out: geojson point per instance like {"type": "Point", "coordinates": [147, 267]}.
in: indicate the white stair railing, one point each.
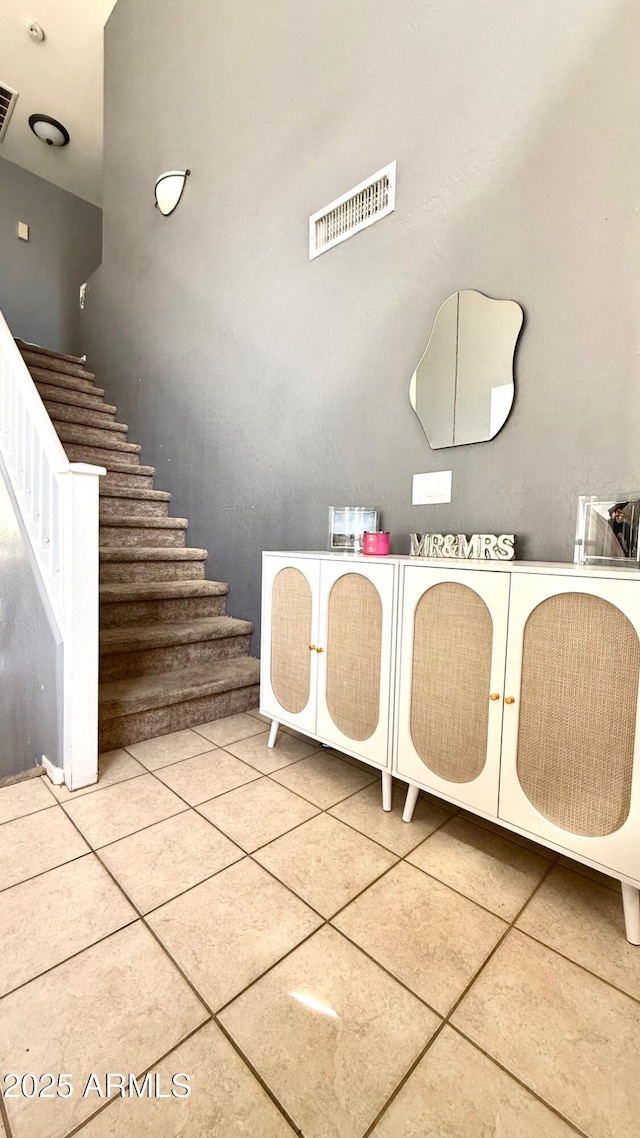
{"type": "Point", "coordinates": [57, 506]}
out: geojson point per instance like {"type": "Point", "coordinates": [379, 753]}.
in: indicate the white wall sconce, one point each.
{"type": "Point", "coordinates": [49, 130]}
{"type": "Point", "coordinates": [168, 190]}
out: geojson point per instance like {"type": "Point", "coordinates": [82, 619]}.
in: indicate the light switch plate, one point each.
{"type": "Point", "coordinates": [23, 231]}
{"type": "Point", "coordinates": [429, 489]}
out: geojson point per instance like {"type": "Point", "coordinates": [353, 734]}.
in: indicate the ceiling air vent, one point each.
{"type": "Point", "coordinates": [8, 99]}
{"type": "Point", "coordinates": [361, 206]}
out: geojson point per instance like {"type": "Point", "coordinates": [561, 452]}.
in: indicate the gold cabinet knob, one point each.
{"type": "Point", "coordinates": [319, 649]}
{"type": "Point", "coordinates": [510, 699]}
{"type": "Point", "coordinates": [494, 695]}
{"type": "Point", "coordinates": [312, 647]}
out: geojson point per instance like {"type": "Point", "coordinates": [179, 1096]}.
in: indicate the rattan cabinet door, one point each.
{"type": "Point", "coordinates": [450, 682]}
{"type": "Point", "coordinates": [570, 743]}
{"type": "Point", "coordinates": [288, 658]}
{"type": "Point", "coordinates": [355, 666]}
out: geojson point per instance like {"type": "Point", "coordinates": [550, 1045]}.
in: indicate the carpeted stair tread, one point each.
{"type": "Point", "coordinates": [136, 637]}
{"type": "Point", "coordinates": [64, 382]}
{"type": "Point", "coordinates": [150, 553]}
{"type": "Point", "coordinates": [56, 397]}
{"type": "Point", "coordinates": [137, 521]}
{"type": "Point", "coordinates": [101, 455]}
{"type": "Point", "coordinates": [134, 591]}
{"type": "Point", "coordinates": [119, 506]}
{"type": "Point", "coordinates": [144, 693]}
{"type": "Point", "coordinates": [127, 468]}
{"type": "Point", "coordinates": [56, 365]}
{"type": "Point", "coordinates": [24, 346]}
{"type": "Point", "coordinates": [80, 435]}
{"type": "Point", "coordinates": [109, 491]}
{"type": "Point", "coordinates": [85, 417]}
{"type": "Point", "coordinates": [170, 656]}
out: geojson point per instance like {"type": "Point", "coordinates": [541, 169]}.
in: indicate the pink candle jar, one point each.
{"type": "Point", "coordinates": [375, 543]}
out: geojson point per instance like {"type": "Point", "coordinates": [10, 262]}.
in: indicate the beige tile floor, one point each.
{"type": "Point", "coordinates": [252, 919]}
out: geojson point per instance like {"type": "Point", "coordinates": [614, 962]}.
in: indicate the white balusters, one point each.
{"type": "Point", "coordinates": [57, 503]}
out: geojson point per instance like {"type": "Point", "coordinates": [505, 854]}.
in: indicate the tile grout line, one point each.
{"type": "Point", "coordinates": [29, 813]}
{"type": "Point", "coordinates": [446, 1019]}
{"type": "Point", "coordinates": [516, 1078]}
{"type": "Point", "coordinates": [23, 881]}
{"type": "Point", "coordinates": [189, 888]}
{"type": "Point", "coordinates": [255, 849]}
{"type": "Point", "coordinates": [252, 782]}
{"type": "Point", "coordinates": [114, 1098]}
{"type": "Point", "coordinates": [259, 1078]}
{"type": "Point", "coordinates": [196, 808]}
{"type": "Point", "coordinates": [84, 791]}
{"type": "Point", "coordinates": [141, 917]}
{"type": "Point", "coordinates": [325, 809]}
{"type": "Point", "coordinates": [174, 762]}
{"type": "Point", "coordinates": [553, 861]}
{"type": "Point", "coordinates": [324, 922]}
{"type": "Point", "coordinates": [249, 854]}
{"type": "Point", "coordinates": [327, 921]}
{"type": "Point", "coordinates": [4, 1118]}
{"type": "Point", "coordinates": [251, 858]}
{"type": "Point", "coordinates": [518, 840]}
{"type": "Point", "coordinates": [72, 956]}
{"type": "Point", "coordinates": [187, 808]}
{"type": "Point", "coordinates": [366, 888]}
{"type": "Point", "coordinates": [244, 853]}
{"type": "Point", "coordinates": [405, 1078]}
{"type": "Point", "coordinates": [454, 889]}
{"type": "Point", "coordinates": [237, 995]}
{"type": "Point", "coordinates": [576, 963]}
{"type": "Point", "coordinates": [94, 849]}
{"type": "Point", "coordinates": [214, 1015]}
{"type": "Point", "coordinates": [509, 923]}
{"type": "Point", "coordinates": [320, 810]}
{"type": "Point", "coordinates": [510, 926]}
{"type": "Point", "coordinates": [229, 742]}
{"type": "Point", "coordinates": [211, 1014]}
{"type": "Point", "coordinates": [456, 811]}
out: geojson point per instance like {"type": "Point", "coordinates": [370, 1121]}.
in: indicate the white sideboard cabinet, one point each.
{"type": "Point", "coordinates": [451, 654]}
{"type": "Point", "coordinates": [508, 689]}
{"type": "Point", "coordinates": [328, 650]}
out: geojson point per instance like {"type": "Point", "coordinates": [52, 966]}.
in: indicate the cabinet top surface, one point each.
{"type": "Point", "coordinates": [563, 568]}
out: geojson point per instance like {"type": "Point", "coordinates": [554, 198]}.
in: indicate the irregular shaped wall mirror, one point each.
{"type": "Point", "coordinates": [462, 389]}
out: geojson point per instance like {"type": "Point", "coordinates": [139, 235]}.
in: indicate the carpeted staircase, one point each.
{"type": "Point", "coordinates": [170, 657]}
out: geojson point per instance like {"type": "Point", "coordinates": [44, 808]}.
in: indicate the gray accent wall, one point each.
{"type": "Point", "coordinates": [265, 387]}
{"type": "Point", "coordinates": [30, 658]}
{"type": "Point", "coordinates": [40, 278]}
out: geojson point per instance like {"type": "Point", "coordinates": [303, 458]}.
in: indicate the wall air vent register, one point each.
{"type": "Point", "coordinates": [8, 99]}
{"type": "Point", "coordinates": [359, 207]}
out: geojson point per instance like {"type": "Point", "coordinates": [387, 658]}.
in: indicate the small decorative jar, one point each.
{"type": "Point", "coordinates": [375, 543]}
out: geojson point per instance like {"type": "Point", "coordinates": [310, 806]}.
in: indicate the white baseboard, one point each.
{"type": "Point", "coordinates": [56, 774]}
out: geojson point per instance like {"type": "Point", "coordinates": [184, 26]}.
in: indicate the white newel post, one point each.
{"type": "Point", "coordinates": [80, 566]}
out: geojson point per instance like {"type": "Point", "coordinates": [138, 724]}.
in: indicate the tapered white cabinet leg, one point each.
{"type": "Point", "coordinates": [631, 904]}
{"type": "Point", "coordinates": [273, 734]}
{"type": "Point", "coordinates": [410, 802]}
{"type": "Point", "coordinates": [387, 790]}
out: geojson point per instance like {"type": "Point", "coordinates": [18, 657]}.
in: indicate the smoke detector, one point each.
{"type": "Point", "coordinates": [35, 31]}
